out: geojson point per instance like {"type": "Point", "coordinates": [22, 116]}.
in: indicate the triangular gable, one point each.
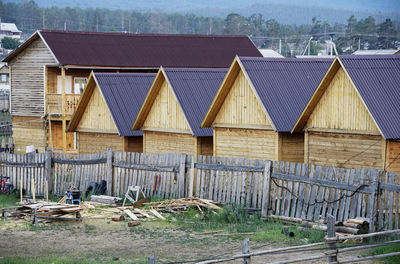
{"type": "Point", "coordinates": [230, 107]}
{"type": "Point", "coordinates": [337, 105]}
{"type": "Point", "coordinates": [161, 110]}
{"type": "Point", "coordinates": [92, 113]}
{"type": "Point", "coordinates": [35, 36]}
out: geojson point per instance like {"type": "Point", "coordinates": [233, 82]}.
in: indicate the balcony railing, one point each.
{"type": "Point", "coordinates": [54, 102]}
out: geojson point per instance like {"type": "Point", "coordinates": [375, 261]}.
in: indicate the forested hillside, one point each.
{"type": "Point", "coordinates": [264, 31]}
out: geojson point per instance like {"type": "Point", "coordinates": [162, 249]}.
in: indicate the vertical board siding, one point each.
{"type": "Point", "coordinates": [341, 107]}
{"type": "Point", "coordinates": [236, 181]}
{"type": "Point", "coordinates": [241, 106]}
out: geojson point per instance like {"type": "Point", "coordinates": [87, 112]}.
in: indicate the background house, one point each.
{"type": "Point", "coordinates": [258, 104]}
{"type": "Point", "coordinates": [50, 70]}
{"type": "Point", "coordinates": [353, 118]}
{"type": "Point", "coordinates": [107, 110]}
{"type": "Point", "coordinates": [173, 109]}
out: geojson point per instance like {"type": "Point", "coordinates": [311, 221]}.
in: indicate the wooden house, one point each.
{"type": "Point", "coordinates": [258, 104]}
{"type": "Point", "coordinates": [171, 114]}
{"type": "Point", "coordinates": [353, 118]}
{"type": "Point", "coordinates": [106, 111]}
{"type": "Point", "coordinates": [50, 69]}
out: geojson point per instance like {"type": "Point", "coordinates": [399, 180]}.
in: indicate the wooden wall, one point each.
{"type": "Point", "coordinates": [341, 108]}
{"type": "Point", "coordinates": [205, 146]}
{"type": "Point", "coordinates": [241, 107]}
{"type": "Point", "coordinates": [291, 147]}
{"type": "Point", "coordinates": [97, 117]}
{"type": "Point", "coordinates": [52, 73]}
{"type": "Point", "coordinates": [133, 144]}
{"type": "Point", "coordinates": [27, 79]}
{"type": "Point", "coordinates": [344, 150]}
{"type": "Point", "coordinates": [99, 142]}
{"type": "Point", "coordinates": [163, 142]}
{"type": "Point", "coordinates": [56, 136]}
{"type": "Point", "coordinates": [393, 156]}
{"type": "Point", "coordinates": [28, 130]}
{"type": "Point", "coordinates": [245, 143]}
{"type": "Point", "coordinates": [166, 113]}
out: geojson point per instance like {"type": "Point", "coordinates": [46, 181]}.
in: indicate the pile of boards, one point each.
{"type": "Point", "coordinates": [43, 210]}
{"type": "Point", "coordinates": [178, 205]}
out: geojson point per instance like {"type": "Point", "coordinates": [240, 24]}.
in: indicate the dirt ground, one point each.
{"type": "Point", "coordinates": [105, 241]}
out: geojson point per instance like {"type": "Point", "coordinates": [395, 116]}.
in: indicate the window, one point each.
{"type": "Point", "coordinates": [79, 85]}
{"type": "Point", "coordinates": [68, 84]}
{"type": "Point", "coordinates": [4, 78]}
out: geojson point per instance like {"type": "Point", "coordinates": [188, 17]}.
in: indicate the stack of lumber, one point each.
{"type": "Point", "coordinates": [177, 205]}
{"type": "Point", "coordinates": [49, 210]}
{"type": "Point", "coordinates": [104, 199]}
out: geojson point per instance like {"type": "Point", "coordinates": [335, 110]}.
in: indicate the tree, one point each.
{"type": "Point", "coordinates": [10, 43]}
{"type": "Point", "coordinates": [236, 24]}
{"type": "Point", "coordinates": [386, 35]}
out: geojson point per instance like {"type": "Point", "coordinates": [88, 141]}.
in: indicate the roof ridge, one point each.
{"type": "Point", "coordinates": [140, 34]}
{"type": "Point", "coordinates": [244, 58]}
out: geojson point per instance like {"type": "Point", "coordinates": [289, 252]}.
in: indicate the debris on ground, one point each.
{"type": "Point", "coordinates": [43, 211]}
{"type": "Point", "coordinates": [178, 205]}
{"type": "Point", "coordinates": [105, 199]}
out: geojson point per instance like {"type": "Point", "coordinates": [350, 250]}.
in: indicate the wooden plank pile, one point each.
{"type": "Point", "coordinates": [105, 199]}
{"type": "Point", "coordinates": [178, 205]}
{"type": "Point", "coordinates": [43, 210]}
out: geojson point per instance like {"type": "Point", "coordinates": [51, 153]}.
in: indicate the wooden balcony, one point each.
{"type": "Point", "coordinates": [54, 103]}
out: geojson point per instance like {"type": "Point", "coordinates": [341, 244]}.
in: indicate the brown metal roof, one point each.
{"type": "Point", "coordinates": [145, 50]}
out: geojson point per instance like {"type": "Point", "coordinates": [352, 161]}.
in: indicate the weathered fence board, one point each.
{"type": "Point", "coordinates": [281, 188]}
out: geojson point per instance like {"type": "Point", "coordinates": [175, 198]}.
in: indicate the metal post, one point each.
{"type": "Point", "coordinates": [152, 259]}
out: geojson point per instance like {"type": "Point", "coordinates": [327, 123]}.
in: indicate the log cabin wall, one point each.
{"type": "Point", "coordinates": [27, 79]}
{"type": "Point", "coordinates": [244, 143]}
{"type": "Point", "coordinates": [343, 133]}
{"type": "Point", "coordinates": [393, 155]}
{"type": "Point", "coordinates": [99, 142]}
{"type": "Point", "coordinates": [164, 142]}
{"type": "Point", "coordinates": [133, 144]}
{"type": "Point", "coordinates": [28, 130]}
{"type": "Point", "coordinates": [292, 147]}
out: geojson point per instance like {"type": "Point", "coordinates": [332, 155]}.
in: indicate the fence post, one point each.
{"type": "Point", "coordinates": [181, 176]}
{"type": "Point", "coordinates": [152, 259]}
{"type": "Point", "coordinates": [331, 233]}
{"type": "Point", "coordinates": [191, 177]}
{"type": "Point", "coordinates": [109, 172]}
{"type": "Point", "coordinates": [47, 170]}
{"type": "Point", "coordinates": [373, 199]}
{"type": "Point", "coordinates": [266, 189]}
{"type": "Point", "coordinates": [246, 250]}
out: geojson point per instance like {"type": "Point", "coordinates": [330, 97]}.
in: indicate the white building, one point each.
{"type": "Point", "coordinates": [9, 30]}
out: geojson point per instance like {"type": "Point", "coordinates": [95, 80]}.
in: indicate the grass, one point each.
{"type": "Point", "coordinates": [385, 250]}
{"type": "Point", "coordinates": [239, 224]}
{"type": "Point", "coordinates": [8, 200]}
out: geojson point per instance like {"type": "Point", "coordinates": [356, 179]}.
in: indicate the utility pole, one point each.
{"type": "Point", "coordinates": [359, 43]}
{"type": "Point", "coordinates": [65, 26]}
{"type": "Point", "coordinates": [280, 46]}
{"type": "Point", "coordinates": [43, 21]}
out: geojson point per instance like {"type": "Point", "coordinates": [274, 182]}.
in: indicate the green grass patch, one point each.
{"type": "Point", "coordinates": [69, 260]}
{"type": "Point", "coordinates": [385, 250]}
{"type": "Point", "coordinates": [8, 200]}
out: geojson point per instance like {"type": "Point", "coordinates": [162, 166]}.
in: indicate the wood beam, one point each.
{"type": "Point", "coordinates": [64, 121]}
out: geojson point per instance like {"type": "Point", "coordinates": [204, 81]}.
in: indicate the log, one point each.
{"type": "Point", "coordinates": [133, 223]}
{"type": "Point", "coordinates": [285, 218]}
{"type": "Point", "coordinates": [348, 230]}
{"type": "Point", "coordinates": [104, 199]}
{"type": "Point", "coordinates": [117, 218]}
{"type": "Point", "coordinates": [314, 225]}
{"type": "Point", "coordinates": [352, 225]}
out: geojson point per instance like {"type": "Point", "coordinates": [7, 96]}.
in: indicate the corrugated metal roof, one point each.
{"type": "Point", "coordinates": [377, 79]}
{"type": "Point", "coordinates": [9, 27]}
{"type": "Point", "coordinates": [285, 85]}
{"type": "Point", "coordinates": [195, 89]}
{"type": "Point", "coordinates": [146, 50]}
{"type": "Point", "coordinates": [124, 94]}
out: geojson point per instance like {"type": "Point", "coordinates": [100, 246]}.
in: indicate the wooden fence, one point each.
{"type": "Point", "coordinates": [279, 188]}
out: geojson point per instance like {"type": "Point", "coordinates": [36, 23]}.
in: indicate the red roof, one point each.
{"type": "Point", "coordinates": [146, 50]}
